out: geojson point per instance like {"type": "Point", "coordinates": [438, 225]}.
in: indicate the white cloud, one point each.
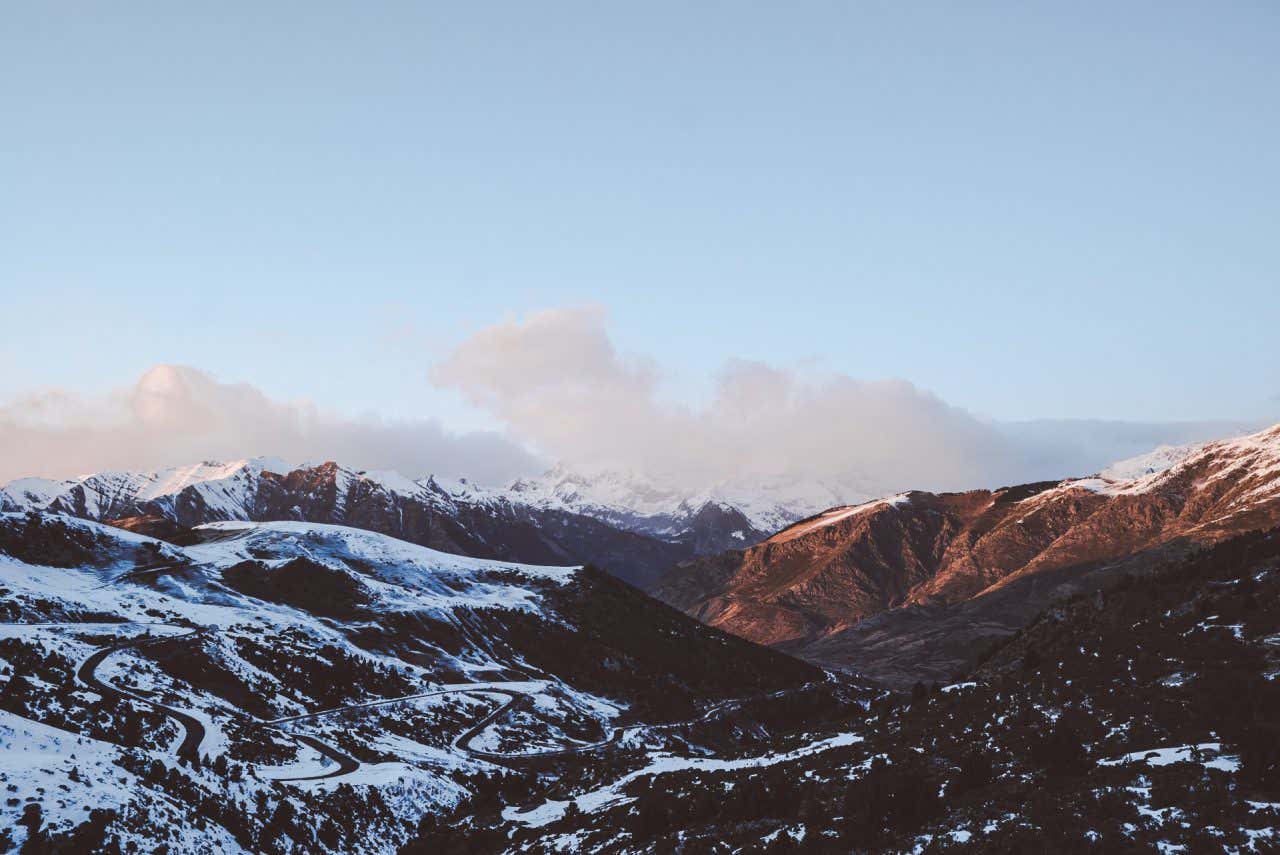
{"type": "Point", "coordinates": [177, 414]}
{"type": "Point", "coordinates": [557, 381]}
{"type": "Point", "coordinates": [564, 392]}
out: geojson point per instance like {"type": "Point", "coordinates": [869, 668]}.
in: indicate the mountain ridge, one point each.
{"type": "Point", "coordinates": [525, 523]}
{"type": "Point", "coordinates": [897, 588]}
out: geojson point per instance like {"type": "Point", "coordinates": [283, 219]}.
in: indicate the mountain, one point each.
{"type": "Point", "coordinates": [918, 585]}
{"type": "Point", "coordinates": [621, 522]}
{"type": "Point", "coordinates": [294, 686]}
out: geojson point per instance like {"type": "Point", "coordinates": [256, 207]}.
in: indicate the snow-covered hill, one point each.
{"type": "Point", "coordinates": [183, 685]}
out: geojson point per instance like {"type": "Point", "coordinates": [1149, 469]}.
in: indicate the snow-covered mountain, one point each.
{"type": "Point", "coordinates": [220, 490]}
{"type": "Point", "coordinates": [633, 500]}
{"type": "Point", "coordinates": [633, 526]}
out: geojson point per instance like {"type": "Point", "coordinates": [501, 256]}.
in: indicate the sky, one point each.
{"type": "Point", "coordinates": [1012, 211]}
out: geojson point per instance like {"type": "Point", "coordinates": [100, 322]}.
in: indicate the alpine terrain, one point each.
{"type": "Point", "coordinates": [226, 658]}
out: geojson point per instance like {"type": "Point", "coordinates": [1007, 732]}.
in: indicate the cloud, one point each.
{"type": "Point", "coordinates": [177, 415]}
{"type": "Point", "coordinates": [556, 379]}
{"type": "Point", "coordinates": [565, 392]}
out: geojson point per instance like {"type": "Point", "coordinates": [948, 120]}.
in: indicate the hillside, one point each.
{"type": "Point", "coordinates": [380, 680]}
{"type": "Point", "coordinates": [1136, 719]}
{"type": "Point", "coordinates": [917, 585]}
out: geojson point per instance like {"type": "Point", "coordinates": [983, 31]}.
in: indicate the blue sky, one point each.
{"type": "Point", "coordinates": [1031, 211]}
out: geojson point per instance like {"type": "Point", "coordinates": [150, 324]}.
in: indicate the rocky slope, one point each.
{"type": "Point", "coordinates": [919, 584]}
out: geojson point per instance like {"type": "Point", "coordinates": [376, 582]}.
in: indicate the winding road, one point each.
{"type": "Point", "coordinates": [346, 763]}
{"type": "Point", "coordinates": [195, 731]}
{"type": "Point", "coordinates": [463, 742]}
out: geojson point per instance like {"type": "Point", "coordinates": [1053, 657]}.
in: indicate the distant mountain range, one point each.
{"type": "Point", "coordinates": [911, 586]}
{"type": "Point", "coordinates": [629, 524]}
{"type": "Point", "coordinates": [920, 584]}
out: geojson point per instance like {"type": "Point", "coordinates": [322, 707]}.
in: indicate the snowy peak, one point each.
{"type": "Point", "coordinates": [1247, 468]}
{"type": "Point", "coordinates": [223, 488]}
{"type": "Point", "coordinates": [31, 493]}
{"type": "Point", "coordinates": [598, 488]}
{"type": "Point", "coordinates": [1151, 463]}
{"type": "Point", "coordinates": [209, 474]}
{"type": "Point", "coordinates": [622, 495]}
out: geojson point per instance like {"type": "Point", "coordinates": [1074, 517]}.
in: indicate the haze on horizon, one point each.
{"type": "Point", "coordinates": [973, 246]}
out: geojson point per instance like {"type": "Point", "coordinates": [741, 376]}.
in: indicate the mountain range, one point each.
{"type": "Point", "coordinates": [909, 587]}
{"type": "Point", "coordinates": [255, 657]}
{"type": "Point", "coordinates": [614, 519]}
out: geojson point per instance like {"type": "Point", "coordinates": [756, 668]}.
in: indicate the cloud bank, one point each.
{"type": "Point", "coordinates": [177, 415]}
{"type": "Point", "coordinates": [563, 391]}
{"type": "Point", "coordinates": [557, 381]}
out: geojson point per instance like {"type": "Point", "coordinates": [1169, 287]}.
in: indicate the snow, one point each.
{"type": "Point", "coordinates": [1257, 455]}
{"type": "Point", "coordinates": [661, 764]}
{"type": "Point", "coordinates": [402, 561]}
{"type": "Point", "coordinates": [36, 757]}
{"type": "Point", "coordinates": [955, 687]}
{"type": "Point", "coordinates": [218, 479]}
{"type": "Point", "coordinates": [35, 492]}
{"type": "Point", "coordinates": [1153, 462]}
{"type": "Point", "coordinates": [395, 573]}
{"type": "Point", "coordinates": [1178, 754]}
{"type": "Point", "coordinates": [399, 575]}
{"type": "Point", "coordinates": [226, 488]}
{"type": "Point", "coordinates": [661, 505]}
{"type": "Point", "coordinates": [308, 762]}
{"type": "Point", "coordinates": [654, 505]}
{"type": "Point", "coordinates": [394, 482]}
{"type": "Point", "coordinates": [835, 515]}
{"type": "Point", "coordinates": [214, 742]}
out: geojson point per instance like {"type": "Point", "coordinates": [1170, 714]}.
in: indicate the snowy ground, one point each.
{"type": "Point", "coordinates": [660, 764]}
